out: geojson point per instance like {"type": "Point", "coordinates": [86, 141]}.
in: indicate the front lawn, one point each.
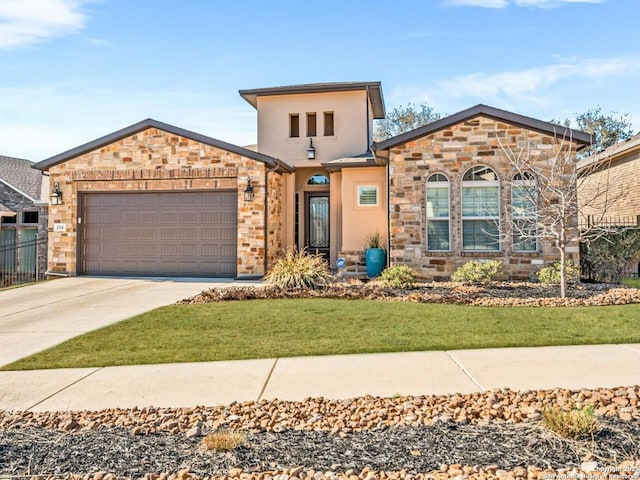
{"type": "Point", "coordinates": [296, 327]}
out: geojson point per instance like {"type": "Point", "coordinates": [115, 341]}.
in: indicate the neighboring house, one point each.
{"type": "Point", "coordinates": [23, 213]}
{"type": "Point", "coordinates": [608, 191]}
{"type": "Point", "coordinates": [154, 199]}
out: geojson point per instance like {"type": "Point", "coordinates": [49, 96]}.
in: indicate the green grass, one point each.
{"type": "Point", "coordinates": [285, 328]}
{"type": "Point", "coordinates": [631, 282]}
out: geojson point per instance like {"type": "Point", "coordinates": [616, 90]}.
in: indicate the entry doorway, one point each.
{"type": "Point", "coordinates": [317, 223]}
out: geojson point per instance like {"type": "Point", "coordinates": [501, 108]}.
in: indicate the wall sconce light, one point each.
{"type": "Point", "coordinates": [56, 195]}
{"type": "Point", "coordinates": [248, 192]}
{"type": "Point", "coordinates": [311, 151]}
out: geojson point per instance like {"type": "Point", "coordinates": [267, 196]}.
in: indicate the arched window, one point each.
{"type": "Point", "coordinates": [480, 210]}
{"type": "Point", "coordinates": [524, 211]}
{"type": "Point", "coordinates": [438, 213]}
{"type": "Point", "coordinates": [318, 179]}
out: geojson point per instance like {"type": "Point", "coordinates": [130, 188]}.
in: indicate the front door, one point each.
{"type": "Point", "coordinates": [317, 223]}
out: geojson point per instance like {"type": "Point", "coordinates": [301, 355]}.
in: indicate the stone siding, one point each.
{"type": "Point", "coordinates": [155, 160]}
{"type": "Point", "coordinates": [452, 151]}
{"type": "Point", "coordinates": [275, 222]}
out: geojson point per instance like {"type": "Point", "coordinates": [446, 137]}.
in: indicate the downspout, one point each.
{"type": "Point", "coordinates": [267, 171]}
{"type": "Point", "coordinates": [368, 128]}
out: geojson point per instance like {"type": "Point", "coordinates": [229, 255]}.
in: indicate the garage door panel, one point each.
{"type": "Point", "coordinates": [191, 234]}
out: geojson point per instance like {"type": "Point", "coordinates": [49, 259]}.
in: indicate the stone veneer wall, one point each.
{"type": "Point", "coordinates": [154, 160]}
{"type": "Point", "coordinates": [452, 151]}
{"type": "Point", "coordinates": [618, 178]}
{"type": "Point", "coordinates": [275, 220]}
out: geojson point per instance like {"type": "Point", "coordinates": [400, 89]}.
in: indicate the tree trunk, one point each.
{"type": "Point", "coordinates": [563, 272]}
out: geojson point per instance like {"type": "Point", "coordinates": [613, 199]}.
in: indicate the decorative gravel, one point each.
{"type": "Point", "coordinates": [37, 451]}
{"type": "Point", "coordinates": [492, 294]}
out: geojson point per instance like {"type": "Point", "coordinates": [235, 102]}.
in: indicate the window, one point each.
{"type": "Point", "coordinates": [318, 180]}
{"type": "Point", "coordinates": [438, 213]}
{"type": "Point", "coordinates": [8, 220]}
{"type": "Point", "coordinates": [328, 124]}
{"type": "Point", "coordinates": [480, 210]}
{"type": "Point", "coordinates": [524, 209]}
{"type": "Point", "coordinates": [29, 217]}
{"type": "Point", "coordinates": [367, 195]}
{"type": "Point", "coordinates": [294, 125]}
{"type": "Point", "coordinates": [311, 124]}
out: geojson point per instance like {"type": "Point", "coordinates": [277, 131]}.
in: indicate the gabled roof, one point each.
{"type": "Point", "coordinates": [151, 123]}
{"type": "Point", "coordinates": [366, 159]}
{"type": "Point", "coordinates": [18, 174]}
{"type": "Point", "coordinates": [616, 150]}
{"type": "Point", "coordinates": [491, 112]}
{"type": "Point", "coordinates": [374, 89]}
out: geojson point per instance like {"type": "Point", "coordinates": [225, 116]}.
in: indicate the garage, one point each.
{"type": "Point", "coordinates": [159, 233]}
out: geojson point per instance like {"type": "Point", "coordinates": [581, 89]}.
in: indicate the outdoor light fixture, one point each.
{"type": "Point", "coordinates": [311, 151]}
{"type": "Point", "coordinates": [56, 195]}
{"type": "Point", "coordinates": [248, 192]}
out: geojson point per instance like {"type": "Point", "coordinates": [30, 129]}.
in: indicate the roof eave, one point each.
{"type": "Point", "coordinates": [491, 112]}
{"type": "Point", "coordinates": [151, 123]}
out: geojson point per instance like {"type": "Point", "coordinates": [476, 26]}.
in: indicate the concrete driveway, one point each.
{"type": "Point", "coordinates": [36, 317]}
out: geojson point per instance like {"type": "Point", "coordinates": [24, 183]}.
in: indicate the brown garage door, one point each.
{"type": "Point", "coordinates": [174, 234]}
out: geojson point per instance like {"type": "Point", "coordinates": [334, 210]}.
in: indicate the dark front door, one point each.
{"type": "Point", "coordinates": [317, 223]}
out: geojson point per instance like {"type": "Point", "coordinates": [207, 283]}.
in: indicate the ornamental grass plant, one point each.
{"type": "Point", "coordinates": [299, 269]}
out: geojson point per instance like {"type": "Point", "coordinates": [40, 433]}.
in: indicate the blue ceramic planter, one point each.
{"type": "Point", "coordinates": [375, 259]}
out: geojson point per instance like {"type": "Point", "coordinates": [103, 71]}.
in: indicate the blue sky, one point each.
{"type": "Point", "coordinates": [74, 70]}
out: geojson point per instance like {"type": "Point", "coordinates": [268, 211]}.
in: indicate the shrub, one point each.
{"type": "Point", "coordinates": [608, 256]}
{"type": "Point", "coordinates": [477, 272]}
{"type": "Point", "coordinates": [299, 269]}
{"type": "Point", "coordinates": [398, 276]}
{"type": "Point", "coordinates": [551, 275]}
{"type": "Point", "coordinates": [570, 424]}
{"type": "Point", "coordinates": [223, 441]}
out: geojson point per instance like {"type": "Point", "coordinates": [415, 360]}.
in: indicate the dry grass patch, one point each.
{"type": "Point", "coordinates": [223, 441]}
{"type": "Point", "coordinates": [572, 424]}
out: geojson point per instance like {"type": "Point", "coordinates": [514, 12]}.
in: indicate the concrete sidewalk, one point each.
{"type": "Point", "coordinates": [340, 376]}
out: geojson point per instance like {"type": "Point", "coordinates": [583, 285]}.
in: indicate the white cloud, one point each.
{"type": "Point", "coordinates": [519, 3]}
{"type": "Point", "coordinates": [527, 84]}
{"type": "Point", "coordinates": [25, 22]}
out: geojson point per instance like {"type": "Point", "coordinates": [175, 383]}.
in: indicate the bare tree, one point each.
{"type": "Point", "coordinates": [544, 205]}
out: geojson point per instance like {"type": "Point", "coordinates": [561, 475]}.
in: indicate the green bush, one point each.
{"type": "Point", "coordinates": [551, 275]}
{"type": "Point", "coordinates": [398, 276]}
{"type": "Point", "coordinates": [608, 256]}
{"type": "Point", "coordinates": [299, 269]}
{"type": "Point", "coordinates": [475, 271]}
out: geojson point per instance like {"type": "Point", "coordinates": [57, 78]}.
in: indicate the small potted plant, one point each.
{"type": "Point", "coordinates": [374, 255]}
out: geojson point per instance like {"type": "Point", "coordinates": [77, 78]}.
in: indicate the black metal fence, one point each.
{"type": "Point", "coordinates": [20, 261]}
{"type": "Point", "coordinates": [596, 225]}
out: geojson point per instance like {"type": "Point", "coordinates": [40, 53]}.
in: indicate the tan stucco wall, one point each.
{"type": "Point", "coordinates": [154, 160]}
{"type": "Point", "coordinates": [610, 191]}
{"type": "Point", "coordinates": [452, 151]}
{"type": "Point", "coordinates": [358, 222]}
{"type": "Point", "coordinates": [350, 126]}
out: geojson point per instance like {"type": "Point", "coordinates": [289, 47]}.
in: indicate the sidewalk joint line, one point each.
{"type": "Point", "coordinates": [266, 382]}
{"type": "Point", "coordinates": [629, 348]}
{"type": "Point", "coordinates": [466, 372]}
{"type": "Point", "coordinates": [64, 388]}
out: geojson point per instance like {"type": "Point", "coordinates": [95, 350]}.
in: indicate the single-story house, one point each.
{"type": "Point", "coordinates": [155, 199]}
{"type": "Point", "coordinates": [23, 214]}
{"type": "Point", "coordinates": [608, 191]}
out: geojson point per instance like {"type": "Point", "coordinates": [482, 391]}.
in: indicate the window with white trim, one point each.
{"type": "Point", "coordinates": [438, 213]}
{"type": "Point", "coordinates": [524, 211]}
{"type": "Point", "coordinates": [367, 195]}
{"type": "Point", "coordinates": [480, 210]}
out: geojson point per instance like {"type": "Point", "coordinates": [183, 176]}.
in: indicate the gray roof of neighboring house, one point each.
{"type": "Point", "coordinates": [374, 89]}
{"type": "Point", "coordinates": [491, 112]}
{"type": "Point", "coordinates": [19, 175]}
{"type": "Point", "coordinates": [151, 123]}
